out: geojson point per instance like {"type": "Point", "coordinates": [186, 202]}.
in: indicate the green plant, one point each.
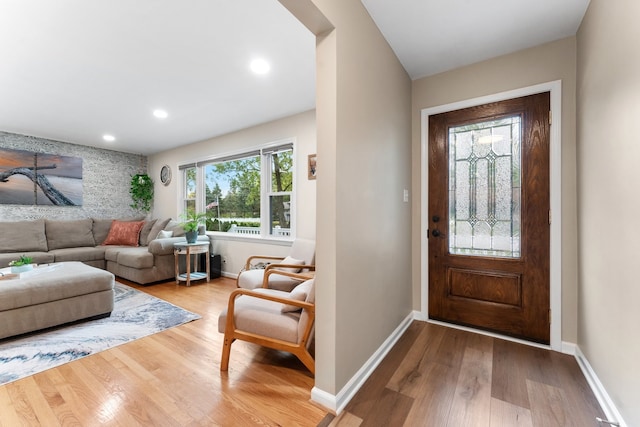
{"type": "Point", "coordinates": [23, 260]}
{"type": "Point", "coordinates": [141, 191]}
{"type": "Point", "coordinates": [192, 219]}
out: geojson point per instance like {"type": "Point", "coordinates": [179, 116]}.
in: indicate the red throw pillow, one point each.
{"type": "Point", "coordinates": [124, 233]}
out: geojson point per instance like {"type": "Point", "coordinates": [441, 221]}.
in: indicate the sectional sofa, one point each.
{"type": "Point", "coordinates": [129, 249]}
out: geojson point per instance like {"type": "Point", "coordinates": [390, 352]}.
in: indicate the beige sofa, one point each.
{"type": "Point", "coordinates": [48, 241]}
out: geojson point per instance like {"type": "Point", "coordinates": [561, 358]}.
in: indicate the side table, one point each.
{"type": "Point", "coordinates": [188, 249]}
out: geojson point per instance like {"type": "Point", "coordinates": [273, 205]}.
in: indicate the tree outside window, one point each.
{"type": "Point", "coordinates": [249, 194]}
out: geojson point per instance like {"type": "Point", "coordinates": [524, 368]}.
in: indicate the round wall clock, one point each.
{"type": "Point", "coordinates": [165, 175]}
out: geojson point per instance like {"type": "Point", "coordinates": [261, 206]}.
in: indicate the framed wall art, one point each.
{"type": "Point", "coordinates": [312, 167]}
{"type": "Point", "coordinates": [30, 178]}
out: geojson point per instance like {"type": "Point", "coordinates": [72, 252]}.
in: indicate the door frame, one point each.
{"type": "Point", "coordinates": [555, 153]}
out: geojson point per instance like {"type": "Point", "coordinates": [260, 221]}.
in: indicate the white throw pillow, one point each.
{"type": "Point", "coordinates": [164, 234]}
{"type": "Point", "coordinates": [299, 293]}
{"type": "Point", "coordinates": [290, 260]}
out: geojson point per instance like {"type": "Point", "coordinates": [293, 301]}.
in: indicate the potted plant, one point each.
{"type": "Point", "coordinates": [141, 191]}
{"type": "Point", "coordinates": [190, 223]}
{"type": "Point", "coordinates": [22, 264]}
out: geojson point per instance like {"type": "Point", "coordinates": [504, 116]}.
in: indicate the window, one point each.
{"type": "Point", "coordinates": [189, 174]}
{"type": "Point", "coordinates": [247, 194]}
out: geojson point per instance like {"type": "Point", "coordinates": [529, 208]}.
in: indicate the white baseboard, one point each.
{"type": "Point", "coordinates": [609, 408]}
{"type": "Point", "coordinates": [568, 348]}
{"type": "Point", "coordinates": [336, 403]}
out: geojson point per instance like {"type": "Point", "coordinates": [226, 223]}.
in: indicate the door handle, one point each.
{"type": "Point", "coordinates": [435, 233]}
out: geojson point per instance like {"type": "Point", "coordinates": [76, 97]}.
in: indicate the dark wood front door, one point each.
{"type": "Point", "coordinates": [489, 217]}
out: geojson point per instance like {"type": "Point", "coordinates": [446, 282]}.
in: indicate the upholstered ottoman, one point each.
{"type": "Point", "coordinates": [53, 295]}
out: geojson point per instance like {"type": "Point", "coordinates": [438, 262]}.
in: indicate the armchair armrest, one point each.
{"type": "Point", "coordinates": [247, 264]}
{"type": "Point", "coordinates": [276, 269]}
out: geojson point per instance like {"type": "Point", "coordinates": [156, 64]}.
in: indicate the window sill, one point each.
{"type": "Point", "coordinates": [243, 238]}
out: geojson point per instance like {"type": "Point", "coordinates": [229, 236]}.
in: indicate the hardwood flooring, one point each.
{"type": "Point", "coordinates": [438, 376]}
{"type": "Point", "coordinates": [434, 376]}
{"type": "Point", "coordinates": [171, 378]}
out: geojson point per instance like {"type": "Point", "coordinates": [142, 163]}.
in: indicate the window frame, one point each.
{"type": "Point", "coordinates": [264, 151]}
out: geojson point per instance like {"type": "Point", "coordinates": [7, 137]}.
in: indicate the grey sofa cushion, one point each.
{"type": "Point", "coordinates": [136, 257]}
{"type": "Point", "coordinates": [144, 233]}
{"type": "Point", "coordinates": [69, 234]}
{"type": "Point", "coordinates": [175, 226]}
{"type": "Point", "coordinates": [83, 254]}
{"type": "Point", "coordinates": [101, 229]}
{"type": "Point", "coordinates": [23, 236]}
{"type": "Point", "coordinates": [159, 225]}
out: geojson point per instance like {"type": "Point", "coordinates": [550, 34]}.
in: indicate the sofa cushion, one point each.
{"type": "Point", "coordinates": [164, 234]}
{"type": "Point", "coordinates": [69, 234]}
{"type": "Point", "coordinates": [145, 232]}
{"type": "Point", "coordinates": [157, 226]}
{"type": "Point", "coordinates": [125, 233]}
{"type": "Point", "coordinates": [101, 228]}
{"type": "Point", "coordinates": [82, 254]}
{"type": "Point", "coordinates": [23, 236]}
{"type": "Point", "coordinates": [138, 257]}
{"type": "Point", "coordinates": [175, 226]}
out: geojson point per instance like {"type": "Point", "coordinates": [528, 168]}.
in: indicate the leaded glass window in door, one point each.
{"type": "Point", "coordinates": [485, 188]}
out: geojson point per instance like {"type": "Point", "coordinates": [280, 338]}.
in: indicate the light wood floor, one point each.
{"type": "Point", "coordinates": [438, 376]}
{"type": "Point", "coordinates": [434, 376]}
{"type": "Point", "coordinates": [169, 379]}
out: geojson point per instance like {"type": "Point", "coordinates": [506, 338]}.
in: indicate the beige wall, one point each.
{"type": "Point", "coordinates": [302, 127]}
{"type": "Point", "coordinates": [546, 63]}
{"type": "Point", "coordinates": [364, 151]}
{"type": "Point", "coordinates": [609, 198]}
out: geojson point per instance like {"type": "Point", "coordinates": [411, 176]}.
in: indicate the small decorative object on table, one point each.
{"type": "Point", "coordinates": [22, 264]}
{"type": "Point", "coordinates": [190, 223]}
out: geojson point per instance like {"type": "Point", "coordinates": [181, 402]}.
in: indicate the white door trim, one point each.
{"type": "Point", "coordinates": [555, 88]}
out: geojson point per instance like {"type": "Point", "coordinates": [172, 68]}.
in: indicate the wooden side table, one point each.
{"type": "Point", "coordinates": [189, 249]}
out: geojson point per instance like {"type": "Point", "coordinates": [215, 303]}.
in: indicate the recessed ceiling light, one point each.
{"type": "Point", "coordinates": [160, 114]}
{"type": "Point", "coordinates": [109, 138]}
{"type": "Point", "coordinates": [260, 66]}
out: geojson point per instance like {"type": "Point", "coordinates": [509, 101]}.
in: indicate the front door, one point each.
{"type": "Point", "coordinates": [489, 217]}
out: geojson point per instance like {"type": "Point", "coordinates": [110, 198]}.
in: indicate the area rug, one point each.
{"type": "Point", "coordinates": [135, 315]}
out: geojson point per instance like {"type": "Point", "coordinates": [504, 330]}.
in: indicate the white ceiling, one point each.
{"type": "Point", "coordinates": [432, 36]}
{"type": "Point", "coordinates": [73, 70]}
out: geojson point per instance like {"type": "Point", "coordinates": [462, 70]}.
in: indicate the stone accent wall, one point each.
{"type": "Point", "coordinates": [106, 177]}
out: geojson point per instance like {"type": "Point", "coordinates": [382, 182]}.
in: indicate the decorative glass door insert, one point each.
{"type": "Point", "coordinates": [485, 188]}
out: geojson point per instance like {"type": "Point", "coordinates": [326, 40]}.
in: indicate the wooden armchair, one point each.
{"type": "Point", "coordinates": [271, 318]}
{"type": "Point", "coordinates": [282, 273]}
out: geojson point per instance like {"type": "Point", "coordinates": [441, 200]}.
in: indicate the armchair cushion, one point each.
{"type": "Point", "coordinates": [263, 317]}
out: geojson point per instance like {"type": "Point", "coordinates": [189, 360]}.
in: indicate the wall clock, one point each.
{"type": "Point", "coordinates": [165, 175]}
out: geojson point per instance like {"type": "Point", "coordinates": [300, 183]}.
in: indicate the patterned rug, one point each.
{"type": "Point", "coordinates": [135, 315]}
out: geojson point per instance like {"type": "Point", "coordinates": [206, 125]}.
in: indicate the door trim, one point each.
{"type": "Point", "coordinates": [555, 153]}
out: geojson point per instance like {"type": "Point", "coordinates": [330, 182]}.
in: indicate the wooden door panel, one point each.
{"type": "Point", "coordinates": [487, 286]}
{"type": "Point", "coordinates": [509, 293]}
